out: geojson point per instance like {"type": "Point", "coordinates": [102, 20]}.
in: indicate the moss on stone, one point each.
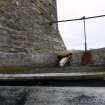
{"type": "Point", "coordinates": [14, 69]}
{"type": "Point", "coordinates": [5, 3]}
{"type": "Point", "coordinates": [25, 69]}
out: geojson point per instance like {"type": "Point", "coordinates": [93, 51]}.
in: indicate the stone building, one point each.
{"type": "Point", "coordinates": [26, 38]}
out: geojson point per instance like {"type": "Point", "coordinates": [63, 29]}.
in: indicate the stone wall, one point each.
{"type": "Point", "coordinates": [76, 58]}
{"type": "Point", "coordinates": [98, 57]}
{"type": "Point", "coordinates": [24, 28]}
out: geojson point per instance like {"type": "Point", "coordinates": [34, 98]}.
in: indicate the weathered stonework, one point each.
{"type": "Point", "coordinates": [98, 57]}
{"type": "Point", "coordinates": [76, 58]}
{"type": "Point", "coordinates": [25, 29]}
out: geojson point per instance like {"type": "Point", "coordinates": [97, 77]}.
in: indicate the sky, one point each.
{"type": "Point", "coordinates": [72, 32]}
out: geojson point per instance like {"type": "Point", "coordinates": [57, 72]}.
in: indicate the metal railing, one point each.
{"type": "Point", "coordinates": [78, 19]}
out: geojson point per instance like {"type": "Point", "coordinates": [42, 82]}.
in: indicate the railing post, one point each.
{"type": "Point", "coordinates": [83, 18]}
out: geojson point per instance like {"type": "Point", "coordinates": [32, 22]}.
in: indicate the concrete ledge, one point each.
{"type": "Point", "coordinates": [54, 79]}
{"type": "Point", "coordinates": [58, 76]}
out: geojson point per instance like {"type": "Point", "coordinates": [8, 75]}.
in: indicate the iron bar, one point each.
{"type": "Point", "coordinates": [83, 18]}
{"type": "Point", "coordinates": [92, 17]}
{"type": "Point", "coordinates": [85, 34]}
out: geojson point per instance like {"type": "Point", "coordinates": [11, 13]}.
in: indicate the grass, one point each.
{"type": "Point", "coordinates": [24, 69]}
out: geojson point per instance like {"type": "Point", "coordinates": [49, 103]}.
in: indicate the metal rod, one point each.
{"type": "Point", "coordinates": [83, 18]}
{"type": "Point", "coordinates": [77, 19]}
{"type": "Point", "coordinates": [85, 34]}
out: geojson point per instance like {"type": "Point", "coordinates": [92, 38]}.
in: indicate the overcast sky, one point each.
{"type": "Point", "coordinates": [72, 32]}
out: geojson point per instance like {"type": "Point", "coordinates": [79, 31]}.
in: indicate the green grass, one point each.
{"type": "Point", "coordinates": [15, 69]}
{"type": "Point", "coordinates": [24, 69]}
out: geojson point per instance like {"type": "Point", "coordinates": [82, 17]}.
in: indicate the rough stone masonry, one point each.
{"type": "Point", "coordinates": [26, 38]}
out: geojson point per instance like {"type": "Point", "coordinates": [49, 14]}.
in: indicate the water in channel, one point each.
{"type": "Point", "coordinates": [13, 95]}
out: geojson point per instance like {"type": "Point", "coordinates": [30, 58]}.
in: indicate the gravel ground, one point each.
{"type": "Point", "coordinates": [52, 95]}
